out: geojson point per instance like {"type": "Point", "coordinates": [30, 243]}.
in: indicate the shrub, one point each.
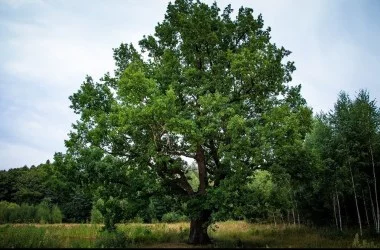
{"type": "Point", "coordinates": [112, 240]}
{"type": "Point", "coordinates": [13, 213]}
{"type": "Point", "coordinates": [364, 244]}
{"type": "Point", "coordinates": [3, 212]}
{"type": "Point", "coordinates": [27, 213]}
{"type": "Point", "coordinates": [136, 219]}
{"type": "Point", "coordinates": [56, 215]}
{"type": "Point", "coordinates": [173, 217]}
{"type": "Point", "coordinates": [96, 216]}
{"type": "Point", "coordinates": [43, 213]}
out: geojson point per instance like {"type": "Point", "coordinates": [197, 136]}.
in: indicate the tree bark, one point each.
{"type": "Point", "coordinates": [340, 216]}
{"type": "Point", "coordinates": [294, 218]}
{"type": "Point", "coordinates": [297, 211]}
{"type": "Point", "coordinates": [201, 161]}
{"type": "Point", "coordinates": [288, 217]}
{"type": "Point", "coordinates": [336, 219]}
{"type": "Point", "coordinates": [356, 202]}
{"type": "Point", "coordinates": [372, 206]}
{"type": "Point", "coordinates": [198, 229]}
{"type": "Point", "coordinates": [198, 226]}
{"type": "Point", "coordinates": [377, 203]}
{"type": "Point", "coordinates": [298, 216]}
{"type": "Point", "coordinates": [365, 208]}
{"type": "Point", "coordinates": [274, 219]}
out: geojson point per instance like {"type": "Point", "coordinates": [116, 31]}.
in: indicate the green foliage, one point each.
{"type": "Point", "coordinates": [112, 240]}
{"type": "Point", "coordinates": [344, 143]}
{"type": "Point", "coordinates": [362, 244]}
{"type": "Point", "coordinates": [56, 215]}
{"type": "Point", "coordinates": [136, 219]}
{"type": "Point", "coordinates": [227, 234]}
{"type": "Point", "coordinates": [27, 213]}
{"type": "Point", "coordinates": [96, 216]}
{"type": "Point", "coordinates": [3, 212]}
{"type": "Point", "coordinates": [13, 213]}
{"type": "Point", "coordinates": [174, 217]}
{"type": "Point", "coordinates": [217, 94]}
{"type": "Point", "coordinates": [111, 210]}
{"type": "Point", "coordinates": [43, 214]}
{"type": "Point", "coordinates": [32, 237]}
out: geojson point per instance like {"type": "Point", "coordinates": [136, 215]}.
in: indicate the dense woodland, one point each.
{"type": "Point", "coordinates": [208, 128]}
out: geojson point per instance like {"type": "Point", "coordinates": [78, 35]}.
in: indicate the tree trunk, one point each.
{"type": "Point", "coordinates": [274, 219]}
{"type": "Point", "coordinates": [297, 211]}
{"type": "Point", "coordinates": [298, 216]}
{"type": "Point", "coordinates": [294, 217]}
{"type": "Point", "coordinates": [340, 216]}
{"type": "Point", "coordinates": [377, 203]}
{"type": "Point", "coordinates": [356, 202]}
{"type": "Point", "coordinates": [201, 161]}
{"type": "Point", "coordinates": [365, 208]}
{"type": "Point", "coordinates": [282, 218]}
{"type": "Point", "coordinates": [198, 226]}
{"type": "Point", "coordinates": [336, 219]}
{"type": "Point", "coordinates": [372, 206]}
{"type": "Point", "coordinates": [288, 217]}
{"type": "Point", "coordinates": [198, 229]}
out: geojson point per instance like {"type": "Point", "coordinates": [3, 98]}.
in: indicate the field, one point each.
{"type": "Point", "coordinates": [163, 235]}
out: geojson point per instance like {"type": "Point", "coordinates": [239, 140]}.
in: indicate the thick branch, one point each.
{"type": "Point", "coordinates": [219, 174]}
{"type": "Point", "coordinates": [181, 182]}
{"type": "Point", "coordinates": [201, 161]}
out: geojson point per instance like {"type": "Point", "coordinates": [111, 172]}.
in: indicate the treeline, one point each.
{"type": "Point", "coordinates": [62, 188]}
{"type": "Point", "coordinates": [330, 178]}
{"type": "Point", "coordinates": [45, 183]}
{"type": "Point", "coordinates": [345, 145]}
{"type": "Point", "coordinates": [42, 213]}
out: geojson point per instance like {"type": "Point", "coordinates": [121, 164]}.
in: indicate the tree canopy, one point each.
{"type": "Point", "coordinates": [205, 87]}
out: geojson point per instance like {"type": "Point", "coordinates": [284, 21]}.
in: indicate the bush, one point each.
{"type": "Point", "coordinates": [96, 216]}
{"type": "Point", "coordinates": [136, 219]}
{"type": "Point", "coordinates": [27, 213]}
{"type": "Point", "coordinates": [13, 212]}
{"type": "Point", "coordinates": [173, 217]}
{"type": "Point", "coordinates": [56, 215]}
{"type": "Point", "coordinates": [43, 213]}
{"type": "Point", "coordinates": [364, 244]}
{"type": "Point", "coordinates": [112, 240]}
{"type": "Point", "coordinates": [3, 212]}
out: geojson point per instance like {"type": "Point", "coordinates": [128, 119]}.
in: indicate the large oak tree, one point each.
{"type": "Point", "coordinates": [199, 90]}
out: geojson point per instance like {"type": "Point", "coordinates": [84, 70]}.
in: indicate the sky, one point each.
{"type": "Point", "coordinates": [47, 47]}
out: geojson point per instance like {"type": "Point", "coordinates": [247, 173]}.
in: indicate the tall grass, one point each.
{"type": "Point", "coordinates": [162, 235]}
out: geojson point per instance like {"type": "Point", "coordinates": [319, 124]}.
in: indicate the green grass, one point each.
{"type": "Point", "coordinates": [164, 235]}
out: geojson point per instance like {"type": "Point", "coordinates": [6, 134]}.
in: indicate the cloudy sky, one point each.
{"type": "Point", "coordinates": [48, 46]}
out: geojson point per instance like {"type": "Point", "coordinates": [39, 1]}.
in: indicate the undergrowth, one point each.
{"type": "Point", "coordinates": [235, 234]}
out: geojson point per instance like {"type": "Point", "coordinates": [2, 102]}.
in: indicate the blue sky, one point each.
{"type": "Point", "coordinates": [48, 46]}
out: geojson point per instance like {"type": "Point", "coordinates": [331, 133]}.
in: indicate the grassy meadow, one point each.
{"type": "Point", "coordinates": [164, 235]}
